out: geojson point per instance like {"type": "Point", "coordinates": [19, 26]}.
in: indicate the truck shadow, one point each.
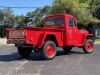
{"type": "Point", "coordinates": [59, 53]}
{"type": "Point", "coordinates": [33, 57]}
{"type": "Point", "coordinates": [9, 57]}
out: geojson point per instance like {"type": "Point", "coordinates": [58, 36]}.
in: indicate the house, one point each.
{"type": "Point", "coordinates": [97, 30]}
{"type": "Point", "coordinates": [94, 29]}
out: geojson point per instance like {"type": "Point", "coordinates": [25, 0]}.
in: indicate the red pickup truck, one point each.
{"type": "Point", "coordinates": [59, 30]}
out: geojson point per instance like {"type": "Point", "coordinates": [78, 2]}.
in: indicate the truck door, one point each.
{"type": "Point", "coordinates": [72, 31]}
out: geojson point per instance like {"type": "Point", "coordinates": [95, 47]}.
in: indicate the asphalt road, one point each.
{"type": "Point", "coordinates": [76, 63]}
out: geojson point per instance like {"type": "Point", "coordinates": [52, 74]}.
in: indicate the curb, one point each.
{"type": "Point", "coordinates": [97, 42]}
{"type": "Point", "coordinates": [6, 45]}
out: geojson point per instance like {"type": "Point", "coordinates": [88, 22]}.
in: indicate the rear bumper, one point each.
{"type": "Point", "coordinates": [24, 44]}
{"type": "Point", "coordinates": [13, 41]}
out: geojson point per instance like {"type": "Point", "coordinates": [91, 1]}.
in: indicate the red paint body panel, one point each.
{"type": "Point", "coordinates": [36, 36]}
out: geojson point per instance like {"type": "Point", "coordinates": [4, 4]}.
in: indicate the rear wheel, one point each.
{"type": "Point", "coordinates": [49, 50]}
{"type": "Point", "coordinates": [67, 49]}
{"type": "Point", "coordinates": [24, 51]}
{"type": "Point", "coordinates": [88, 46]}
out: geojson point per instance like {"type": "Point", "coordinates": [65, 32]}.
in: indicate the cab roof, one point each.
{"type": "Point", "coordinates": [58, 15]}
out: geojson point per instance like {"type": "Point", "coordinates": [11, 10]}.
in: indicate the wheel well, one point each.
{"type": "Point", "coordinates": [90, 37]}
{"type": "Point", "coordinates": [52, 38]}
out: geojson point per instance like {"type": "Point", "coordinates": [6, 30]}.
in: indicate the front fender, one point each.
{"type": "Point", "coordinates": [88, 36]}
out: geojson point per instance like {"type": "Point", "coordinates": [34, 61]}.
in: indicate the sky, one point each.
{"type": "Point", "coordinates": [24, 3]}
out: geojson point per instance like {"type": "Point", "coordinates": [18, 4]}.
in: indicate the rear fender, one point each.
{"type": "Point", "coordinates": [44, 37]}
{"type": "Point", "coordinates": [41, 40]}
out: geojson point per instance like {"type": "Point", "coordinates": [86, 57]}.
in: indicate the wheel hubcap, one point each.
{"type": "Point", "coordinates": [89, 46]}
{"type": "Point", "coordinates": [50, 50]}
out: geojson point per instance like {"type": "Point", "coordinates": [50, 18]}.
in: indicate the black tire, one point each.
{"type": "Point", "coordinates": [24, 51]}
{"type": "Point", "coordinates": [67, 49]}
{"type": "Point", "coordinates": [49, 47]}
{"type": "Point", "coordinates": [88, 46]}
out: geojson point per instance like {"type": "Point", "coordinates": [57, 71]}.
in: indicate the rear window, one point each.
{"type": "Point", "coordinates": [55, 21]}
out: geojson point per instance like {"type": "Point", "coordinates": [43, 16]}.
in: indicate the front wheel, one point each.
{"type": "Point", "coordinates": [49, 50]}
{"type": "Point", "coordinates": [88, 46]}
{"type": "Point", "coordinates": [24, 51]}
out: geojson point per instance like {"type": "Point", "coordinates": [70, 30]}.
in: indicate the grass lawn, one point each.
{"type": "Point", "coordinates": [97, 39]}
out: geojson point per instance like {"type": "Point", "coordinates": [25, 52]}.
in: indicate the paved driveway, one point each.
{"type": "Point", "coordinates": [75, 63]}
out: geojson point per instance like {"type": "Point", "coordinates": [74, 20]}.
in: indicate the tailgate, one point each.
{"type": "Point", "coordinates": [14, 35]}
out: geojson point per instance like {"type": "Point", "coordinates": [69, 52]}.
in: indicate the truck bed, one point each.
{"type": "Point", "coordinates": [33, 35]}
{"type": "Point", "coordinates": [36, 36]}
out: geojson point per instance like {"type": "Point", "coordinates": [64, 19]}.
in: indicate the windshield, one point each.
{"type": "Point", "coordinates": [55, 21]}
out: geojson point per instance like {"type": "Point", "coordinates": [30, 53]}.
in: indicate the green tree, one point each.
{"type": "Point", "coordinates": [1, 16]}
{"type": "Point", "coordinates": [38, 15]}
{"type": "Point", "coordinates": [95, 8]}
{"type": "Point", "coordinates": [80, 9]}
{"type": "Point", "coordinates": [8, 16]}
{"type": "Point", "coordinates": [6, 20]}
{"type": "Point", "coordinates": [20, 20]}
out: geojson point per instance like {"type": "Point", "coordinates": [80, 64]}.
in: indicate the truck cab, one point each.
{"type": "Point", "coordinates": [59, 30]}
